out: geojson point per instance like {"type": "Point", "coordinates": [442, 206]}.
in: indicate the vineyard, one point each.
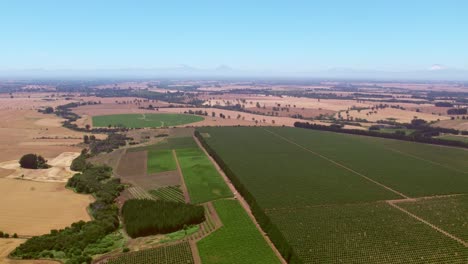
{"type": "Point", "coordinates": [449, 213]}
{"type": "Point", "coordinates": [364, 233]}
{"type": "Point", "coordinates": [170, 193]}
{"type": "Point", "coordinates": [237, 242]}
{"type": "Point", "coordinates": [173, 254]}
{"type": "Point", "coordinates": [321, 196]}
{"type": "Point", "coordinates": [160, 161]}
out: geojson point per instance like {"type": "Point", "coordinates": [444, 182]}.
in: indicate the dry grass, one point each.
{"type": "Point", "coordinates": [402, 116]}
{"type": "Point", "coordinates": [31, 208]}
{"type": "Point", "coordinates": [27, 131]}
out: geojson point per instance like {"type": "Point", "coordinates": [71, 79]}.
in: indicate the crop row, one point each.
{"type": "Point", "coordinates": [169, 193]}
{"type": "Point", "coordinates": [174, 254]}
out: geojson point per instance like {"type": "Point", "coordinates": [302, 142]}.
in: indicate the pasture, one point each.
{"type": "Point", "coordinates": [144, 120]}
{"type": "Point", "coordinates": [160, 161]}
{"type": "Point", "coordinates": [326, 197]}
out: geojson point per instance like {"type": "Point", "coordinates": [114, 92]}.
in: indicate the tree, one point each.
{"type": "Point", "coordinates": [33, 161]}
{"type": "Point", "coordinates": [49, 110]}
{"type": "Point", "coordinates": [87, 127]}
{"type": "Point", "coordinates": [86, 139]}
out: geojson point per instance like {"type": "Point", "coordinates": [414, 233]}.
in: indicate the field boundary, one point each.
{"type": "Point", "coordinates": [241, 201]}
{"type": "Point", "coordinates": [184, 187]}
{"type": "Point", "coordinates": [393, 204]}
{"type": "Point", "coordinates": [339, 165]}
{"type": "Point", "coordinates": [423, 159]}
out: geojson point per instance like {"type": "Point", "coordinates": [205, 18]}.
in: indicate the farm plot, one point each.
{"type": "Point", "coordinates": [310, 190]}
{"type": "Point", "coordinates": [448, 213]}
{"type": "Point", "coordinates": [364, 233]}
{"type": "Point", "coordinates": [237, 242]}
{"type": "Point", "coordinates": [169, 193]}
{"type": "Point", "coordinates": [160, 161]}
{"type": "Point", "coordinates": [377, 159]}
{"type": "Point", "coordinates": [173, 254]}
{"type": "Point", "coordinates": [279, 174]}
{"type": "Point", "coordinates": [145, 120]}
{"type": "Point", "coordinates": [201, 177]}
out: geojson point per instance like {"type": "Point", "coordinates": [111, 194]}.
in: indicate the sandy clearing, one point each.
{"type": "Point", "coordinates": [8, 245]}
{"type": "Point", "coordinates": [34, 208]}
{"type": "Point", "coordinates": [59, 172]}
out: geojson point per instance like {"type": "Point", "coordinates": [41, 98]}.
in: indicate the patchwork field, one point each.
{"type": "Point", "coordinates": [336, 198]}
{"type": "Point", "coordinates": [145, 120]}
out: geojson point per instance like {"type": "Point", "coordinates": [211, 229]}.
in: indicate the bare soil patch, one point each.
{"type": "Point", "coordinates": [31, 208]}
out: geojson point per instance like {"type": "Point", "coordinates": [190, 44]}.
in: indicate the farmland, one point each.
{"type": "Point", "coordinates": [144, 120]}
{"type": "Point", "coordinates": [160, 161]}
{"type": "Point", "coordinates": [203, 181]}
{"type": "Point", "coordinates": [174, 254]}
{"type": "Point", "coordinates": [449, 213]}
{"type": "Point", "coordinates": [237, 241]}
{"type": "Point", "coordinates": [324, 194]}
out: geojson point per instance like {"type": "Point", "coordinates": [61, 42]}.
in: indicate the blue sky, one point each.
{"type": "Point", "coordinates": [250, 35]}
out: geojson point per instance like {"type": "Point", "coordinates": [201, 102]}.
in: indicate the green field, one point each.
{"type": "Point", "coordinates": [237, 242]}
{"type": "Point", "coordinates": [144, 120]}
{"type": "Point", "coordinates": [173, 254]}
{"type": "Point", "coordinates": [455, 138]}
{"type": "Point", "coordinates": [160, 160]}
{"type": "Point", "coordinates": [323, 191]}
{"type": "Point", "coordinates": [201, 177]}
{"type": "Point", "coordinates": [364, 233]}
{"type": "Point", "coordinates": [448, 213]}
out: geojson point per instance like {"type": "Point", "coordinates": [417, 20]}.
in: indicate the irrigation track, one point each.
{"type": "Point", "coordinates": [393, 204]}
{"type": "Point", "coordinates": [339, 164]}
{"type": "Point", "coordinates": [184, 187]}
{"type": "Point", "coordinates": [426, 160]}
{"type": "Point", "coordinates": [242, 201]}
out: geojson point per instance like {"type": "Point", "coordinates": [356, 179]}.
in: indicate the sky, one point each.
{"type": "Point", "coordinates": [272, 35]}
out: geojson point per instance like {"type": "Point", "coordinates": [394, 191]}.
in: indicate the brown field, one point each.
{"type": "Point", "coordinates": [458, 124]}
{"type": "Point", "coordinates": [132, 169]}
{"type": "Point", "coordinates": [8, 245]}
{"type": "Point", "coordinates": [31, 208]}
{"type": "Point", "coordinates": [402, 116]}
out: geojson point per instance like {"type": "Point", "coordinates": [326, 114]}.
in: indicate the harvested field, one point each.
{"type": "Point", "coordinates": [145, 120]}
{"type": "Point", "coordinates": [47, 205]}
{"type": "Point", "coordinates": [27, 131]}
{"type": "Point", "coordinates": [458, 124]}
{"type": "Point", "coordinates": [401, 116]}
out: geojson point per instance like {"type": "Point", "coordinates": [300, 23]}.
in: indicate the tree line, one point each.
{"type": "Point", "coordinates": [424, 135]}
